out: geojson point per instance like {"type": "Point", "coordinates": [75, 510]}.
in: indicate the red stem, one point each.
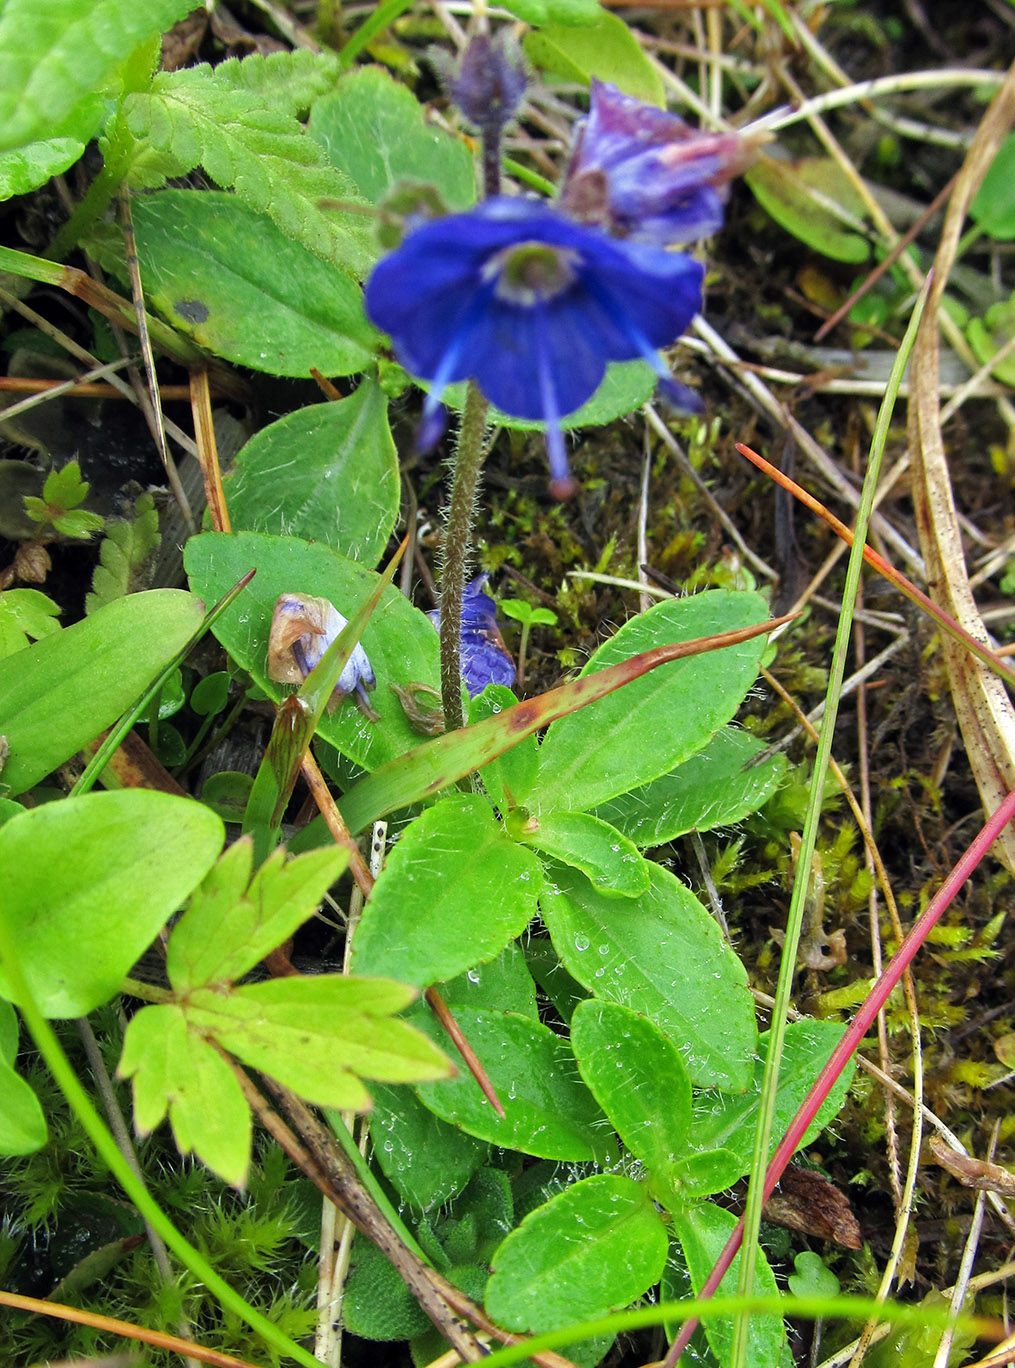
{"type": "Point", "coordinates": [858, 1028]}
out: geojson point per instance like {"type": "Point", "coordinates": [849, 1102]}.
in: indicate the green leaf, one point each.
{"type": "Point", "coordinates": [228, 277]}
{"type": "Point", "coordinates": [572, 12]}
{"type": "Point", "coordinates": [328, 472]}
{"type": "Point", "coordinates": [503, 983]}
{"type": "Point", "coordinates": [664, 956]}
{"type": "Point", "coordinates": [54, 55]}
{"type": "Point", "coordinates": [717, 787]}
{"type": "Point", "coordinates": [79, 523]}
{"type": "Point", "coordinates": [61, 692]}
{"type": "Point", "coordinates": [703, 1230]}
{"type": "Point", "coordinates": [593, 1249]}
{"type": "Point", "coordinates": [812, 198]}
{"type": "Point", "coordinates": [625, 387]}
{"type": "Point", "coordinates": [399, 640]}
{"type": "Point", "coordinates": [729, 1122]}
{"type": "Point", "coordinates": [287, 82]}
{"type": "Point", "coordinates": [510, 777]}
{"type": "Point", "coordinates": [174, 1069]}
{"type": "Point", "coordinates": [191, 118]}
{"type": "Point", "coordinates": [25, 613]}
{"type": "Point", "coordinates": [993, 206]}
{"type": "Point", "coordinates": [29, 167]}
{"type": "Point", "coordinates": [636, 1075]}
{"type": "Point", "coordinates": [600, 752]}
{"type": "Point", "coordinates": [425, 1160]}
{"type": "Point", "coordinates": [377, 1305]}
{"type": "Point", "coordinates": [609, 860]}
{"type": "Point", "coordinates": [606, 49]}
{"type": "Point", "coordinates": [373, 129]}
{"type": "Point", "coordinates": [813, 1277]}
{"type": "Point", "coordinates": [22, 1125]}
{"type": "Point", "coordinates": [126, 548]}
{"type": "Point", "coordinates": [548, 1111]}
{"type": "Point", "coordinates": [229, 926]}
{"type": "Point", "coordinates": [86, 884]}
{"type": "Point", "coordinates": [321, 1035]}
{"type": "Point", "coordinates": [988, 334]}
{"type": "Point", "coordinates": [455, 890]}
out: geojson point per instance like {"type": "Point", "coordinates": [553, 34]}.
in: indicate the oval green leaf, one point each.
{"type": "Point", "coordinates": [661, 955]}
{"type": "Point", "coordinates": [811, 198]}
{"type": "Point", "coordinates": [22, 1125]}
{"type": "Point", "coordinates": [454, 891]}
{"type": "Point", "coordinates": [714, 788]}
{"type": "Point", "coordinates": [548, 1111]}
{"type": "Point", "coordinates": [58, 694]}
{"type": "Point", "coordinates": [593, 1249]}
{"type": "Point", "coordinates": [326, 473]}
{"type": "Point", "coordinates": [226, 276]}
{"type": "Point", "coordinates": [374, 129]}
{"type": "Point", "coordinates": [399, 640]}
{"type": "Point", "coordinates": [597, 753]}
{"type": "Point", "coordinates": [611, 862]}
{"type": "Point", "coordinates": [87, 883]}
{"type": "Point", "coordinates": [606, 49]}
{"type": "Point", "coordinates": [636, 1075]}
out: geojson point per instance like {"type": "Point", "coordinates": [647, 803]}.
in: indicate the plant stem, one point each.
{"type": "Point", "coordinates": [457, 547]}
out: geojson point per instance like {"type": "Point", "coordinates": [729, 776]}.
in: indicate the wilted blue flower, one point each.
{"type": "Point", "coordinates": [532, 307]}
{"type": "Point", "coordinates": [644, 174]}
{"type": "Point", "coordinates": [485, 658]}
{"type": "Point", "coordinates": [490, 80]}
{"type": "Point", "coordinates": [302, 629]}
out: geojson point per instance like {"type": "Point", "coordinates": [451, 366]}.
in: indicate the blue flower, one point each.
{"type": "Point", "coordinates": [485, 658]}
{"type": "Point", "coordinates": [644, 174]}
{"type": "Point", "coordinates": [532, 306]}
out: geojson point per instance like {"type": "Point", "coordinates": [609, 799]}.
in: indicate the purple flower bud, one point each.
{"type": "Point", "coordinates": [644, 174]}
{"type": "Point", "coordinates": [485, 658]}
{"type": "Point", "coordinates": [302, 629]}
{"type": "Point", "coordinates": [490, 81]}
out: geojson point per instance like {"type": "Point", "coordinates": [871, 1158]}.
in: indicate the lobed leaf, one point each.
{"type": "Point", "coordinates": [455, 890]}
{"type": "Point", "coordinates": [229, 926]}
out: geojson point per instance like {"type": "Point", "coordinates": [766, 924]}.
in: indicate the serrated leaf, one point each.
{"type": "Point", "coordinates": [703, 1230]}
{"type": "Point", "coordinates": [127, 545]}
{"type": "Point", "coordinates": [399, 640]}
{"type": "Point", "coordinates": [716, 787]}
{"type": "Point", "coordinates": [606, 49]}
{"type": "Point", "coordinates": [54, 55]}
{"type": "Point", "coordinates": [612, 864]}
{"type": "Point", "coordinates": [228, 277]}
{"type": "Point", "coordinates": [373, 129]}
{"type": "Point", "coordinates": [597, 753]}
{"type": "Point", "coordinates": [61, 692]}
{"type": "Point", "coordinates": [455, 890]}
{"type": "Point", "coordinates": [328, 472]}
{"type": "Point", "coordinates": [26, 168]}
{"type": "Point", "coordinates": [85, 885]}
{"type": "Point", "coordinates": [320, 1035]}
{"type": "Point", "coordinates": [664, 956]}
{"type": "Point", "coordinates": [636, 1075]}
{"type": "Point", "coordinates": [289, 82]}
{"type": "Point", "coordinates": [229, 927]}
{"type": "Point", "coordinates": [174, 1069]}
{"type": "Point", "coordinates": [729, 1122]}
{"type": "Point", "coordinates": [548, 1111]}
{"type": "Point", "coordinates": [189, 118]}
{"type": "Point", "coordinates": [593, 1249]}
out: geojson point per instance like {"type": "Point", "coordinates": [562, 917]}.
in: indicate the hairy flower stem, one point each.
{"type": "Point", "coordinates": [491, 161]}
{"type": "Point", "coordinates": [457, 548]}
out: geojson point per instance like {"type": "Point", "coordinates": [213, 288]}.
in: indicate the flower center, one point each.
{"type": "Point", "coordinates": [531, 271]}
